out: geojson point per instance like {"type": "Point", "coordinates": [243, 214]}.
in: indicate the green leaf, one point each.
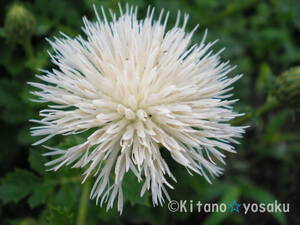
{"type": "Point", "coordinates": [25, 221]}
{"type": "Point", "coordinates": [2, 32]}
{"type": "Point", "coordinates": [213, 192]}
{"type": "Point", "coordinates": [265, 79]}
{"type": "Point", "coordinates": [24, 137]}
{"type": "Point", "coordinates": [37, 161]}
{"type": "Point", "coordinates": [132, 189]}
{"type": "Point", "coordinates": [273, 129]}
{"type": "Point", "coordinates": [66, 195]}
{"type": "Point", "coordinates": [40, 61]}
{"type": "Point", "coordinates": [16, 185]}
{"type": "Point", "coordinates": [17, 66]}
{"type": "Point", "coordinates": [59, 216]}
{"type": "Point", "coordinates": [154, 215]}
{"type": "Point", "coordinates": [232, 193]}
{"type": "Point", "coordinates": [43, 26]}
{"type": "Point", "coordinates": [39, 196]}
{"type": "Point", "coordinates": [6, 49]}
{"type": "Point", "coordinates": [8, 90]}
{"type": "Point", "coordinates": [296, 14]}
{"type": "Point", "coordinates": [260, 195]}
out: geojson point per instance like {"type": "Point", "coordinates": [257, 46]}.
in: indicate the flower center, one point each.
{"type": "Point", "coordinates": [132, 114]}
{"type": "Point", "coordinates": [130, 109]}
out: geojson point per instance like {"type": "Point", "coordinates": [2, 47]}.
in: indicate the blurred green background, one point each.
{"type": "Point", "coordinates": [262, 37]}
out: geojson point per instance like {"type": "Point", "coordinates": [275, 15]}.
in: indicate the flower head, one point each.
{"type": "Point", "coordinates": [145, 90]}
{"type": "Point", "coordinates": [287, 87]}
{"type": "Point", "coordinates": [20, 23]}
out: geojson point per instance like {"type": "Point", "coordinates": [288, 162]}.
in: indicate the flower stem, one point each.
{"type": "Point", "coordinates": [28, 48]}
{"type": "Point", "coordinates": [270, 104]}
{"type": "Point", "coordinates": [83, 203]}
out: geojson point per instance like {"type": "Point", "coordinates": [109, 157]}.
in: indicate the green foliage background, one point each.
{"type": "Point", "coordinates": [260, 36]}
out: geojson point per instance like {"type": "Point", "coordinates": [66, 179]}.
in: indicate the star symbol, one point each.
{"type": "Point", "coordinates": [234, 207]}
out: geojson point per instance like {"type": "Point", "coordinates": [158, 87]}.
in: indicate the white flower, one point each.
{"type": "Point", "coordinates": [142, 88]}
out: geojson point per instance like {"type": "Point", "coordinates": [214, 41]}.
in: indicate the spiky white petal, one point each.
{"type": "Point", "coordinates": [142, 87]}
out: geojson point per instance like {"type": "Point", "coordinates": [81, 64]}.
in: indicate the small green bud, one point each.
{"type": "Point", "coordinates": [20, 23]}
{"type": "Point", "coordinates": [287, 87]}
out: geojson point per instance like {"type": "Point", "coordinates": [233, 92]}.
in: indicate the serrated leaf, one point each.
{"type": "Point", "coordinates": [59, 216]}
{"type": "Point", "coordinates": [260, 195]}
{"type": "Point", "coordinates": [66, 195]}
{"type": "Point", "coordinates": [16, 185]}
{"type": "Point", "coordinates": [39, 196]}
{"type": "Point", "coordinates": [37, 161]}
{"type": "Point", "coordinates": [232, 193]}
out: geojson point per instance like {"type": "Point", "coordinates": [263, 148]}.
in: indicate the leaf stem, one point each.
{"type": "Point", "coordinates": [83, 203]}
